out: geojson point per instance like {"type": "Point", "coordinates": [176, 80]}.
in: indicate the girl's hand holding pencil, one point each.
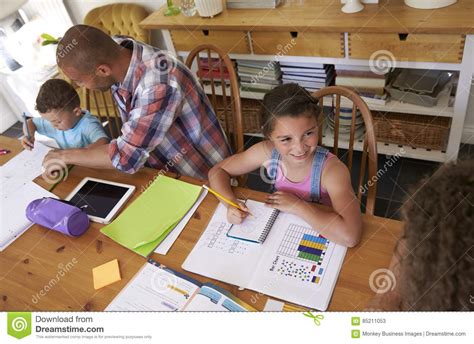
{"type": "Point", "coordinates": [236, 216]}
{"type": "Point", "coordinates": [236, 211]}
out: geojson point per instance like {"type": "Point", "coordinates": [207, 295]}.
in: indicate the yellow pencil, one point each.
{"type": "Point", "coordinates": [218, 195]}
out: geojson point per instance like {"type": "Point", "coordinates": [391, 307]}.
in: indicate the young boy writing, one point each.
{"type": "Point", "coordinates": [62, 119]}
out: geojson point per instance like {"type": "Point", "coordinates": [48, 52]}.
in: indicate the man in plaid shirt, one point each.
{"type": "Point", "coordinates": [168, 121]}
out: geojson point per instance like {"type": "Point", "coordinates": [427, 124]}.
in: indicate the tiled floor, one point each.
{"type": "Point", "coordinates": [397, 183]}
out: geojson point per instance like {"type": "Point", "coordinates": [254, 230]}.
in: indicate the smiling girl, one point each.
{"type": "Point", "coordinates": [301, 172]}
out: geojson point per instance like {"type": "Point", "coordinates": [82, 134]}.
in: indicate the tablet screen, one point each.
{"type": "Point", "coordinates": [99, 198]}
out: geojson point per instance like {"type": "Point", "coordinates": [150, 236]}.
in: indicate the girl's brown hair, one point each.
{"type": "Point", "coordinates": [437, 271]}
{"type": "Point", "coordinates": [57, 94]}
{"type": "Point", "coordinates": [287, 100]}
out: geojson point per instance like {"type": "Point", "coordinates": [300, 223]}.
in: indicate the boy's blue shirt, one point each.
{"type": "Point", "coordinates": [86, 131]}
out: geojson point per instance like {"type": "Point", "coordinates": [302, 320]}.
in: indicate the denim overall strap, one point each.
{"type": "Point", "coordinates": [273, 167]}
{"type": "Point", "coordinates": [316, 172]}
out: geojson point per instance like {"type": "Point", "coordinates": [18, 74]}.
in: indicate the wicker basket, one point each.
{"type": "Point", "coordinates": [417, 131]}
{"type": "Point", "coordinates": [251, 117]}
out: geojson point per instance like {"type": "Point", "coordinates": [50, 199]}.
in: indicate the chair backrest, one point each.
{"type": "Point", "coordinates": [114, 19]}
{"type": "Point", "coordinates": [217, 76]}
{"type": "Point", "coordinates": [352, 129]}
{"type": "Point", "coordinates": [101, 104]}
{"type": "Point", "coordinates": [120, 19]}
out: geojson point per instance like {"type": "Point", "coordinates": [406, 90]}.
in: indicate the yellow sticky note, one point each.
{"type": "Point", "coordinates": [106, 274]}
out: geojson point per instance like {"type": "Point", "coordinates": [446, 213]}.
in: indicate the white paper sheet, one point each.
{"type": "Point", "coordinates": [166, 244]}
{"type": "Point", "coordinates": [13, 219]}
{"type": "Point", "coordinates": [23, 168]}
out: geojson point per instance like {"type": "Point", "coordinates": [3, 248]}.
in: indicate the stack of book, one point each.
{"type": "Point", "coordinates": [206, 71]}
{"type": "Point", "coordinates": [252, 3]}
{"type": "Point", "coordinates": [312, 76]}
{"type": "Point", "coordinates": [369, 85]}
{"type": "Point", "coordinates": [258, 76]}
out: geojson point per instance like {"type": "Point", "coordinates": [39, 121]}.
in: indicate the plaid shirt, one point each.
{"type": "Point", "coordinates": [167, 118]}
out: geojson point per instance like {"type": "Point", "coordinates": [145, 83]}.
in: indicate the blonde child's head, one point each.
{"type": "Point", "coordinates": [59, 103]}
{"type": "Point", "coordinates": [290, 116]}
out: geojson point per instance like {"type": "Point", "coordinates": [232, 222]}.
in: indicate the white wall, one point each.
{"type": "Point", "coordinates": [79, 8]}
{"type": "Point", "coordinates": [7, 116]}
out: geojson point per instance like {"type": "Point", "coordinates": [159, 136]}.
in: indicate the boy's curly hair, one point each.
{"type": "Point", "coordinates": [287, 100]}
{"type": "Point", "coordinates": [438, 269]}
{"type": "Point", "coordinates": [57, 94]}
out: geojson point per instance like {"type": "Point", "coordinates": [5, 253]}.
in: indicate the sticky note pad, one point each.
{"type": "Point", "coordinates": [106, 274]}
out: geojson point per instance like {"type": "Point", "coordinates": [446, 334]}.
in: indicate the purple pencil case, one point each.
{"type": "Point", "coordinates": [58, 215]}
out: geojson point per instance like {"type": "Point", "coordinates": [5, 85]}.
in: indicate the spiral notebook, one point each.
{"type": "Point", "coordinates": [255, 228]}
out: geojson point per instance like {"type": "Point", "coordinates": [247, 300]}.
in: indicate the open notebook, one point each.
{"type": "Point", "coordinates": [158, 288]}
{"type": "Point", "coordinates": [295, 263]}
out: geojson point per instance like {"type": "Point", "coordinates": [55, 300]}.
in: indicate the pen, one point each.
{"type": "Point", "coordinates": [218, 195]}
{"type": "Point", "coordinates": [4, 151]}
{"type": "Point", "coordinates": [28, 135]}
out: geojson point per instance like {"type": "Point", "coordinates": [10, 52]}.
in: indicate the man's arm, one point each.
{"type": "Point", "coordinates": [148, 124]}
{"type": "Point", "coordinates": [94, 157]}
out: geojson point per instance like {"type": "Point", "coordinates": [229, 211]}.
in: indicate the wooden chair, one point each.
{"type": "Point", "coordinates": [216, 74]}
{"type": "Point", "coordinates": [369, 145]}
{"type": "Point", "coordinates": [114, 19]}
{"type": "Point", "coordinates": [101, 104]}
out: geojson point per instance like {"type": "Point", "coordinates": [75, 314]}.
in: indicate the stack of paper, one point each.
{"type": "Point", "coordinates": [312, 76]}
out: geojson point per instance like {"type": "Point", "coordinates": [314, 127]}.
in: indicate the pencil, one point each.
{"type": "Point", "coordinates": [218, 195]}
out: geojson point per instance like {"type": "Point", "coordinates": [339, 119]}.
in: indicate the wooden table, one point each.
{"type": "Point", "coordinates": [45, 270]}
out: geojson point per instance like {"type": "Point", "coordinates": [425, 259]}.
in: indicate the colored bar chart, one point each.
{"type": "Point", "coordinates": [304, 252]}
{"type": "Point", "coordinates": [312, 248]}
{"type": "Point", "coordinates": [300, 243]}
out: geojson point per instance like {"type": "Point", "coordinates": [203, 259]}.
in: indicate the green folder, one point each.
{"type": "Point", "coordinates": [148, 220]}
